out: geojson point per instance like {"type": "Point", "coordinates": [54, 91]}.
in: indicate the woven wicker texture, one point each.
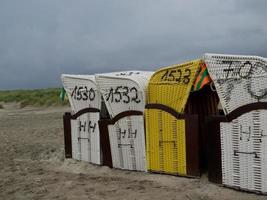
{"type": "Point", "coordinates": [165, 135]}
{"type": "Point", "coordinates": [171, 85]}
{"type": "Point", "coordinates": [82, 93]}
{"type": "Point", "coordinates": [166, 147]}
{"type": "Point", "coordinates": [125, 91]}
{"type": "Point", "coordinates": [244, 152]}
{"type": "Point", "coordinates": [128, 149]}
{"type": "Point", "coordinates": [239, 80]}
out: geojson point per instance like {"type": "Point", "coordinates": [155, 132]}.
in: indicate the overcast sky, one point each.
{"type": "Point", "coordinates": [40, 39]}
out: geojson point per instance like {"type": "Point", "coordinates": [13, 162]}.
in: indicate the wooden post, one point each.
{"type": "Point", "coordinates": [67, 134]}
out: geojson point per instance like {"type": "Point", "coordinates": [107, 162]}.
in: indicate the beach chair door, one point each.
{"type": "Point", "coordinates": [166, 148]}
{"type": "Point", "coordinates": [244, 151]}
{"type": "Point", "coordinates": [85, 138]}
{"type": "Point", "coordinates": [128, 143]}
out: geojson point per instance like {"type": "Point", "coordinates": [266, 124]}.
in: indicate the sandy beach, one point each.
{"type": "Point", "coordinates": [32, 166]}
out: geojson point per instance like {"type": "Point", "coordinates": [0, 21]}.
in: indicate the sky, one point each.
{"type": "Point", "coordinates": [41, 39]}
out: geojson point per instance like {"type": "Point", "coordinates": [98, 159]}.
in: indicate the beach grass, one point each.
{"type": "Point", "coordinates": [37, 97]}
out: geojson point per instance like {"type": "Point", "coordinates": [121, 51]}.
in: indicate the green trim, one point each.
{"type": "Point", "coordinates": [62, 94]}
{"type": "Point", "coordinates": [204, 74]}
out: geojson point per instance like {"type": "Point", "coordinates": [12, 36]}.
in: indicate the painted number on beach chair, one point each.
{"type": "Point", "coordinates": [177, 75]}
{"type": "Point", "coordinates": [123, 94]}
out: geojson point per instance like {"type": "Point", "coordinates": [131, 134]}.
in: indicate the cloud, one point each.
{"type": "Point", "coordinates": [41, 39]}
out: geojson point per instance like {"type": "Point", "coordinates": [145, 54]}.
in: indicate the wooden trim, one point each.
{"type": "Point", "coordinates": [105, 143]}
{"type": "Point", "coordinates": [214, 150]}
{"type": "Point", "coordinates": [245, 109]}
{"type": "Point", "coordinates": [85, 110]}
{"type": "Point", "coordinates": [192, 145]}
{"type": "Point", "coordinates": [67, 135]}
{"type": "Point", "coordinates": [165, 108]}
{"type": "Point", "coordinates": [122, 115]}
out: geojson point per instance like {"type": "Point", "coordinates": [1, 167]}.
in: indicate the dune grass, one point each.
{"type": "Point", "coordinates": [38, 97]}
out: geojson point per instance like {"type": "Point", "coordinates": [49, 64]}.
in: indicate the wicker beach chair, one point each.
{"type": "Point", "coordinates": [172, 136]}
{"type": "Point", "coordinates": [241, 84]}
{"type": "Point", "coordinates": [82, 136]}
{"type": "Point", "coordinates": [124, 94]}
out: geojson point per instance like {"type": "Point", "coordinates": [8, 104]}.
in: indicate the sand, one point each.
{"type": "Point", "coordinates": [32, 166]}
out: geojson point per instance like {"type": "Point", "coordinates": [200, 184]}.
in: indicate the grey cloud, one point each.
{"type": "Point", "coordinates": [39, 39]}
